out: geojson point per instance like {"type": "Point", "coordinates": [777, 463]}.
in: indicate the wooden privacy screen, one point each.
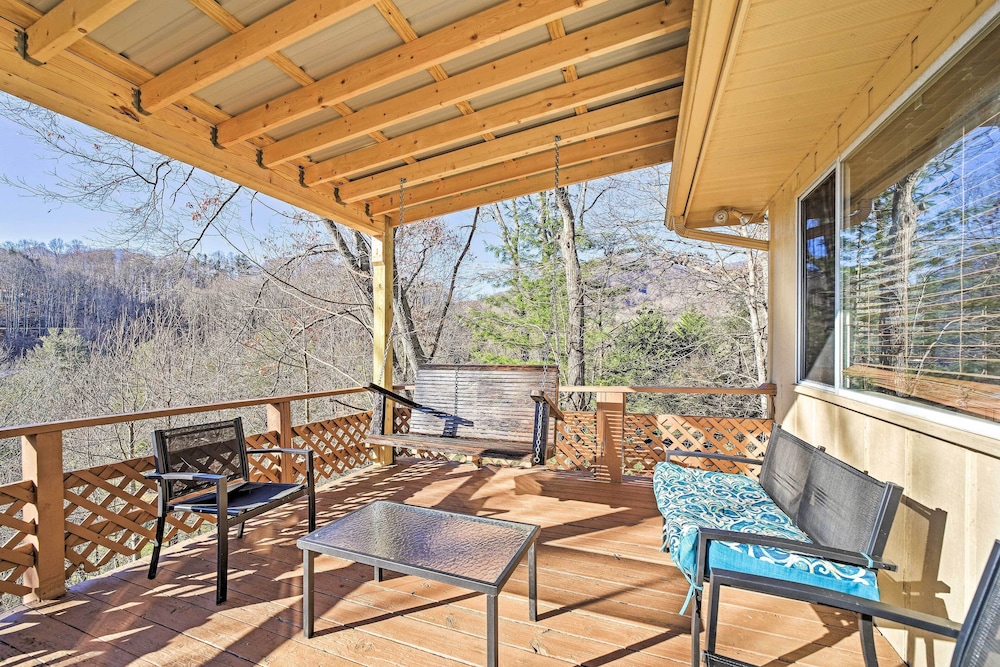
{"type": "Point", "coordinates": [17, 554]}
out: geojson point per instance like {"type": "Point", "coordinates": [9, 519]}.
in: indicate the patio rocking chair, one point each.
{"type": "Point", "coordinates": [977, 640]}
{"type": "Point", "coordinates": [205, 469]}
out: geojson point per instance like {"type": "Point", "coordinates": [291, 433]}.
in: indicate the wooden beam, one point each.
{"type": "Point", "coordinates": [394, 17]}
{"type": "Point", "coordinates": [613, 118]}
{"type": "Point", "coordinates": [68, 22]}
{"type": "Point", "coordinates": [627, 78]}
{"type": "Point", "coordinates": [718, 237]}
{"type": "Point", "coordinates": [595, 41]}
{"type": "Point", "coordinates": [94, 86]}
{"type": "Point", "coordinates": [615, 164]}
{"type": "Point", "coordinates": [42, 464]}
{"type": "Point", "coordinates": [220, 15]}
{"type": "Point", "coordinates": [653, 134]}
{"type": "Point", "coordinates": [272, 33]}
{"type": "Point", "coordinates": [383, 263]}
{"type": "Point", "coordinates": [475, 32]}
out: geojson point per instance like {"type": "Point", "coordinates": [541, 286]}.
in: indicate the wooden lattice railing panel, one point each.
{"type": "Point", "coordinates": [109, 513]}
{"type": "Point", "coordinates": [576, 443]}
{"type": "Point", "coordinates": [647, 437]}
{"type": "Point", "coordinates": [340, 445]}
{"type": "Point", "coordinates": [17, 554]}
{"type": "Point", "coordinates": [401, 424]}
{"type": "Point", "coordinates": [267, 467]}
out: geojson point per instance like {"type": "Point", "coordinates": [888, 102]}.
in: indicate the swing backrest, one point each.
{"type": "Point", "coordinates": [497, 399]}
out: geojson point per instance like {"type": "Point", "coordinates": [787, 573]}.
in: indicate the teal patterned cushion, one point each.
{"type": "Point", "coordinates": [690, 498]}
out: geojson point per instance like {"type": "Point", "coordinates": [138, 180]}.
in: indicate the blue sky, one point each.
{"type": "Point", "coordinates": [27, 217]}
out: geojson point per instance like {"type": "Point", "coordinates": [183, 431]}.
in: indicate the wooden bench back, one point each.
{"type": "Point", "coordinates": [497, 399]}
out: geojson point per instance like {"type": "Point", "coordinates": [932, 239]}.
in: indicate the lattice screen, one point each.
{"type": "Point", "coordinates": [16, 554]}
{"type": "Point", "coordinates": [110, 512]}
{"type": "Point", "coordinates": [648, 436]}
{"type": "Point", "coordinates": [340, 444]}
{"type": "Point", "coordinates": [576, 442]}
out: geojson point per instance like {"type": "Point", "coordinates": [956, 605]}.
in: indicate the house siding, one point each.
{"type": "Point", "coordinates": [950, 514]}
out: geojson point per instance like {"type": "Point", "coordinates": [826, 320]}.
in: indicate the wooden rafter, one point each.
{"type": "Point", "coordinates": [626, 78]}
{"type": "Point", "coordinates": [604, 128]}
{"type": "Point", "coordinates": [613, 118]}
{"type": "Point", "coordinates": [608, 166]}
{"type": "Point", "coordinates": [68, 22]}
{"type": "Point", "coordinates": [557, 30]}
{"type": "Point", "coordinates": [616, 143]}
{"type": "Point", "coordinates": [220, 15]}
{"type": "Point", "coordinates": [272, 33]}
{"type": "Point", "coordinates": [595, 41]}
{"type": "Point", "coordinates": [465, 36]}
{"type": "Point", "coordinates": [390, 12]}
{"type": "Point", "coordinates": [91, 84]}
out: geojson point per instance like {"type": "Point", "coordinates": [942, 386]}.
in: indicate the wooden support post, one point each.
{"type": "Point", "coordinates": [279, 418]}
{"type": "Point", "coordinates": [383, 261]}
{"type": "Point", "coordinates": [42, 463]}
{"type": "Point", "coordinates": [611, 429]}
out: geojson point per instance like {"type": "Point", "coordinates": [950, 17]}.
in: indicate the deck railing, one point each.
{"type": "Point", "coordinates": [57, 526]}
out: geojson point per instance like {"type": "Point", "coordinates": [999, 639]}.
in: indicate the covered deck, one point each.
{"type": "Point", "coordinates": [607, 595]}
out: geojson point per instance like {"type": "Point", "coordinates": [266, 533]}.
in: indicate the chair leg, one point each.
{"type": "Point", "coordinates": [161, 524]}
{"type": "Point", "coordinates": [222, 560]}
{"type": "Point", "coordinates": [312, 510]}
{"type": "Point", "coordinates": [696, 629]}
{"type": "Point", "coordinates": [867, 630]}
{"type": "Point", "coordinates": [239, 534]}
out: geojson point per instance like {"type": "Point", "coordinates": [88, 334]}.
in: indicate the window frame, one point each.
{"type": "Point", "coordinates": [800, 286]}
{"type": "Point", "coordinates": [988, 21]}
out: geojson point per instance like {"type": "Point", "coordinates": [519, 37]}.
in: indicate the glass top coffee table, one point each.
{"type": "Point", "coordinates": [472, 552]}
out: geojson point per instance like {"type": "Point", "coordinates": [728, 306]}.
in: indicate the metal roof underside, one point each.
{"type": "Point", "coordinates": [463, 100]}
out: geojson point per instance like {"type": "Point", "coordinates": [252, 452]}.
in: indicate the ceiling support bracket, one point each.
{"type": "Point", "coordinates": [137, 102]}
{"type": "Point", "coordinates": [21, 46]}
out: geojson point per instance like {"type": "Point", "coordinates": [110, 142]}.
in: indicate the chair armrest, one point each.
{"type": "Point", "coordinates": [413, 405]}
{"type": "Point", "coordinates": [280, 450]}
{"type": "Point", "coordinates": [710, 455]}
{"type": "Point", "coordinates": [402, 400]}
{"type": "Point", "coordinates": [804, 548]}
{"type": "Point", "coordinates": [539, 396]}
{"type": "Point", "coordinates": [186, 476]}
{"type": "Point", "coordinates": [814, 595]}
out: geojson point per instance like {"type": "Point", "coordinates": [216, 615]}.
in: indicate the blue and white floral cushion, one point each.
{"type": "Point", "coordinates": [690, 498]}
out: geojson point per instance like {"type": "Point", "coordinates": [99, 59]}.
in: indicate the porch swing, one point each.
{"type": "Point", "coordinates": [498, 412]}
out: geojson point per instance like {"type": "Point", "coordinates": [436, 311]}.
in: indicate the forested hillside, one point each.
{"type": "Point", "coordinates": [584, 276]}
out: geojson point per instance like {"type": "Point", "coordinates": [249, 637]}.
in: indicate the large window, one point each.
{"type": "Point", "coordinates": [817, 301]}
{"type": "Point", "coordinates": [919, 255]}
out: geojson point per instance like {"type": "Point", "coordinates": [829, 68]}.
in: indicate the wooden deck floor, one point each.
{"type": "Point", "coordinates": [607, 596]}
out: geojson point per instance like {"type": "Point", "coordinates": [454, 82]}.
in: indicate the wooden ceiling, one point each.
{"type": "Point", "coordinates": [330, 104]}
{"type": "Point", "coordinates": [776, 86]}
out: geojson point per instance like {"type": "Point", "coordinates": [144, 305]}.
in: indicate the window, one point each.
{"type": "Point", "coordinates": [817, 246]}
{"type": "Point", "coordinates": [920, 246]}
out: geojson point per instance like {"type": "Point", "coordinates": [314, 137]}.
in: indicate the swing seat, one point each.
{"type": "Point", "coordinates": [492, 412]}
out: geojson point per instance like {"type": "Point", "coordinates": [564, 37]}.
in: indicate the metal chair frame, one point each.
{"type": "Point", "coordinates": [229, 500]}
{"type": "Point", "coordinates": [967, 641]}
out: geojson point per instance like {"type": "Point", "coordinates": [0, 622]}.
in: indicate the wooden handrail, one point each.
{"type": "Point", "coordinates": [764, 389]}
{"type": "Point", "coordinates": [67, 424]}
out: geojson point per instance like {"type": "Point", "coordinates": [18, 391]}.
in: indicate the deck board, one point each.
{"type": "Point", "coordinates": [607, 595]}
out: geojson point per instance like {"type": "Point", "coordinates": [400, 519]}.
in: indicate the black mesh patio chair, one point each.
{"type": "Point", "coordinates": [977, 640]}
{"type": "Point", "coordinates": [205, 469]}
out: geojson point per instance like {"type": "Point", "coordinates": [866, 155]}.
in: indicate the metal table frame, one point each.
{"type": "Point", "coordinates": [313, 544]}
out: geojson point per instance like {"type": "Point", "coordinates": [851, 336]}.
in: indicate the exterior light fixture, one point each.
{"type": "Point", "coordinates": [723, 215]}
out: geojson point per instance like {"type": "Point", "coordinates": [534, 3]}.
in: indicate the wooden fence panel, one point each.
{"type": "Point", "coordinates": [17, 554]}
{"type": "Point", "coordinates": [647, 437]}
